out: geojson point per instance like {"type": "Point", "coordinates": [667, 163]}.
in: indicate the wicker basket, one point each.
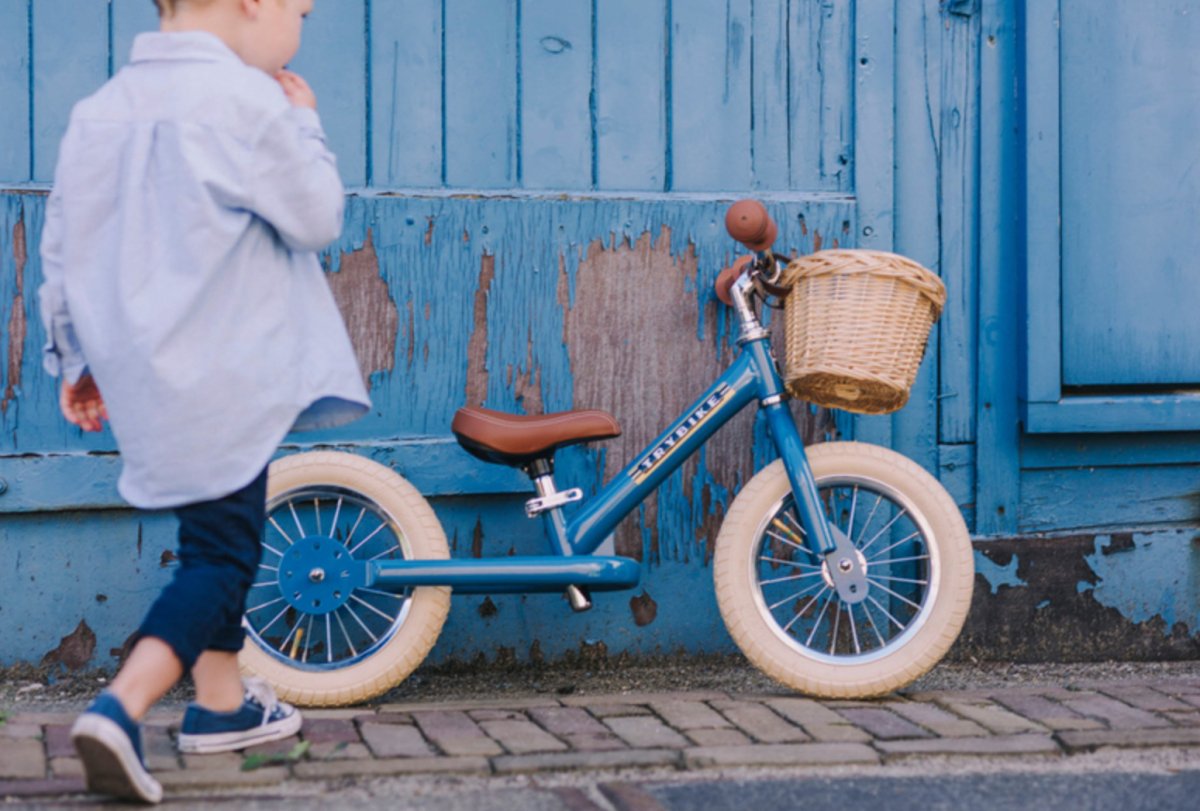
{"type": "Point", "coordinates": [857, 324]}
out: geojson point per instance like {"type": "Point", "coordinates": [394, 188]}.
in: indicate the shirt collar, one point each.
{"type": "Point", "coordinates": [181, 46]}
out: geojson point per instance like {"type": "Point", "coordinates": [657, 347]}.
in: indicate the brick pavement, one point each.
{"type": "Point", "coordinates": [682, 731]}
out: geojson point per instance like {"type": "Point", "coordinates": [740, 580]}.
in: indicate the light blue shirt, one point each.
{"type": "Point", "coordinates": [180, 269]}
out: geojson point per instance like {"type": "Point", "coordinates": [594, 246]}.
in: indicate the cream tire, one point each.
{"type": "Point", "coordinates": [750, 543]}
{"type": "Point", "coordinates": [374, 639]}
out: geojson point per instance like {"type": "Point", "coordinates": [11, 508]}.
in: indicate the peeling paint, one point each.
{"type": "Point", "coordinates": [1146, 576]}
{"type": "Point", "coordinates": [75, 649]}
{"type": "Point", "coordinates": [996, 575]}
{"type": "Point", "coordinates": [366, 305]}
{"type": "Point", "coordinates": [644, 609]}
{"type": "Point", "coordinates": [16, 318]}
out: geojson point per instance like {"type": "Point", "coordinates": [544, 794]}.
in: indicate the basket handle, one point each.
{"type": "Point", "coordinates": [748, 222]}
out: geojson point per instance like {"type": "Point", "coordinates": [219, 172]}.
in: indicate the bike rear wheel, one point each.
{"type": "Point", "coordinates": [778, 600]}
{"type": "Point", "coordinates": [314, 629]}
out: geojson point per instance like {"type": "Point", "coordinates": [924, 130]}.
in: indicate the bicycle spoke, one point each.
{"type": "Point", "coordinates": [790, 543]}
{"type": "Point", "coordinates": [307, 633]}
{"type": "Point", "coordinates": [837, 620]}
{"type": "Point", "coordinates": [267, 604]}
{"type": "Point", "coordinates": [782, 562]}
{"type": "Point", "coordinates": [317, 513]}
{"type": "Point", "coordinates": [901, 579]}
{"type": "Point", "coordinates": [886, 527]}
{"type": "Point", "coordinates": [273, 549]}
{"type": "Point", "coordinates": [384, 552]}
{"type": "Point", "coordinates": [878, 605]}
{"type": "Point", "coordinates": [778, 523]}
{"type": "Point", "coordinates": [821, 616]}
{"type": "Point", "coordinates": [374, 532]}
{"type": "Point", "coordinates": [296, 518]}
{"type": "Point", "coordinates": [361, 624]}
{"type": "Point", "coordinates": [391, 594]}
{"type": "Point", "coordinates": [265, 583]}
{"type": "Point", "coordinates": [853, 630]}
{"type": "Point", "coordinates": [268, 568]}
{"type": "Point", "coordinates": [874, 627]}
{"type": "Point", "coordinates": [791, 597]}
{"type": "Point", "coordinates": [328, 640]}
{"type": "Point", "coordinates": [906, 539]}
{"type": "Point", "coordinates": [354, 528]}
{"type": "Point", "coordinates": [898, 560]}
{"type": "Point", "coordinates": [790, 577]}
{"type": "Point", "coordinates": [336, 512]}
{"type": "Point", "coordinates": [279, 529]}
{"type": "Point", "coordinates": [804, 610]}
{"type": "Point", "coordinates": [899, 597]}
{"type": "Point", "coordinates": [870, 517]}
{"type": "Point", "coordinates": [369, 607]}
{"type": "Point", "coordinates": [853, 505]}
{"type": "Point", "coordinates": [288, 638]}
{"type": "Point", "coordinates": [349, 641]}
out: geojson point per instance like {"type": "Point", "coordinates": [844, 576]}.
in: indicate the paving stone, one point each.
{"type": "Point", "coordinates": [1051, 714]}
{"type": "Point", "coordinates": [1086, 740]}
{"type": "Point", "coordinates": [21, 758]}
{"type": "Point", "coordinates": [1028, 744]}
{"type": "Point", "coordinates": [474, 704]}
{"type": "Point", "coordinates": [937, 720]}
{"type": "Point", "coordinates": [159, 749]}
{"type": "Point", "coordinates": [522, 737]}
{"type": "Point", "coordinates": [280, 747]}
{"type": "Point", "coordinates": [1116, 714]}
{"type": "Point", "coordinates": [567, 721]}
{"type": "Point", "coordinates": [686, 715]}
{"type": "Point", "coordinates": [643, 698]}
{"type": "Point", "coordinates": [804, 711]}
{"type": "Point", "coordinates": [718, 737]}
{"type": "Point", "coordinates": [384, 718]}
{"type": "Point", "coordinates": [1184, 719]}
{"type": "Point", "coordinates": [326, 770]}
{"type": "Point", "coordinates": [57, 738]}
{"type": "Point", "coordinates": [216, 762]}
{"type": "Point", "coordinates": [10, 730]}
{"type": "Point", "coordinates": [41, 787]}
{"type": "Point", "coordinates": [778, 754]}
{"type": "Point", "coordinates": [67, 767]}
{"type": "Point", "coordinates": [884, 725]}
{"type": "Point", "coordinates": [629, 797]}
{"type": "Point", "coordinates": [1144, 698]}
{"type": "Point", "coordinates": [331, 714]}
{"type": "Point", "coordinates": [625, 759]}
{"type": "Point", "coordinates": [646, 733]}
{"type": "Point", "coordinates": [330, 730]}
{"type": "Point", "coordinates": [602, 710]}
{"type": "Point", "coordinates": [225, 778]}
{"type": "Point", "coordinates": [338, 751]}
{"type": "Point", "coordinates": [455, 733]}
{"type": "Point", "coordinates": [994, 717]}
{"type": "Point", "coordinates": [496, 715]}
{"type": "Point", "coordinates": [760, 722]}
{"type": "Point", "coordinates": [395, 740]}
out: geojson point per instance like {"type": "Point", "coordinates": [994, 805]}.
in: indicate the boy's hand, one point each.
{"type": "Point", "coordinates": [82, 404]}
{"type": "Point", "coordinates": [296, 89]}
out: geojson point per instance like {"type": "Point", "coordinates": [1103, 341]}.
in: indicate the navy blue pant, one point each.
{"type": "Point", "coordinates": [219, 551]}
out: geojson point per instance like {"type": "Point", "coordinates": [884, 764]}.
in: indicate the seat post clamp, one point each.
{"type": "Point", "coordinates": [550, 501]}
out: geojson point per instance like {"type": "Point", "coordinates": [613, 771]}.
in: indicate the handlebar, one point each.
{"type": "Point", "coordinates": [748, 222]}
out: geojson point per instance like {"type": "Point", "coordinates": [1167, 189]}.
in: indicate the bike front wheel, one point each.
{"type": "Point", "coordinates": [314, 629]}
{"type": "Point", "coordinates": [779, 602]}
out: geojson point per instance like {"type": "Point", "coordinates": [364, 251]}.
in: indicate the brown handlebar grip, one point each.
{"type": "Point", "coordinates": [727, 277]}
{"type": "Point", "coordinates": [748, 222]}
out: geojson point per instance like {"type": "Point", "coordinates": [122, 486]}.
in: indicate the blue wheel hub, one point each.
{"type": "Point", "coordinates": [317, 575]}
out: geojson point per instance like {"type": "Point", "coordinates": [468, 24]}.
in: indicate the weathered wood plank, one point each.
{"type": "Point", "coordinates": [333, 59]}
{"type": "Point", "coordinates": [70, 61]}
{"type": "Point", "coordinates": [482, 129]}
{"type": "Point", "coordinates": [556, 88]}
{"type": "Point", "coordinates": [822, 80]}
{"type": "Point", "coordinates": [14, 91]}
{"type": "Point", "coordinates": [711, 95]}
{"type": "Point", "coordinates": [631, 120]}
{"type": "Point", "coordinates": [406, 94]}
{"type": "Point", "coordinates": [771, 120]}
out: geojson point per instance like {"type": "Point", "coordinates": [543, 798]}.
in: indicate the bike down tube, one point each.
{"type": "Point", "coordinates": [752, 376]}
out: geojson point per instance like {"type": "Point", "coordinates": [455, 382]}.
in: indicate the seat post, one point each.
{"type": "Point", "coordinates": [550, 500]}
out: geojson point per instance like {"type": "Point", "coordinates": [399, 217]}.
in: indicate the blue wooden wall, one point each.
{"type": "Point", "coordinates": [534, 223]}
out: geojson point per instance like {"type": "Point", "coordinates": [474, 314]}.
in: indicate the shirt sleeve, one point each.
{"type": "Point", "coordinates": [296, 185]}
{"type": "Point", "coordinates": [62, 354]}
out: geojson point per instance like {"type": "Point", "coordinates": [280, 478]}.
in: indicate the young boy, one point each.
{"type": "Point", "coordinates": [191, 193]}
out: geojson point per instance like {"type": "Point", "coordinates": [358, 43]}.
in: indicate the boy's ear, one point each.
{"type": "Point", "coordinates": [250, 8]}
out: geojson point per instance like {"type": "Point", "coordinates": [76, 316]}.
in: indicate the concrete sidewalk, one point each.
{"type": "Point", "coordinates": [674, 731]}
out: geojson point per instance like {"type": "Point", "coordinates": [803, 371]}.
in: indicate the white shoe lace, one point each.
{"type": "Point", "coordinates": [264, 695]}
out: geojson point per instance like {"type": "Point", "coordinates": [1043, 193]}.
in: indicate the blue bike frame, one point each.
{"type": "Point", "coordinates": [752, 376]}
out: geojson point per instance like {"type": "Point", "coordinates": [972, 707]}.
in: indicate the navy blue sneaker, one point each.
{"type": "Point", "coordinates": [261, 718]}
{"type": "Point", "coordinates": [109, 744]}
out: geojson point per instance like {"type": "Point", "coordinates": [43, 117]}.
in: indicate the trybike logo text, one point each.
{"type": "Point", "coordinates": [665, 448]}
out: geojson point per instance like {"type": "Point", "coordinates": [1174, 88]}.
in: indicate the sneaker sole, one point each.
{"type": "Point", "coordinates": [229, 741]}
{"type": "Point", "coordinates": [110, 765]}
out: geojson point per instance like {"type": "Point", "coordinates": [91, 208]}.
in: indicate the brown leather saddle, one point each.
{"type": "Point", "coordinates": [518, 439]}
